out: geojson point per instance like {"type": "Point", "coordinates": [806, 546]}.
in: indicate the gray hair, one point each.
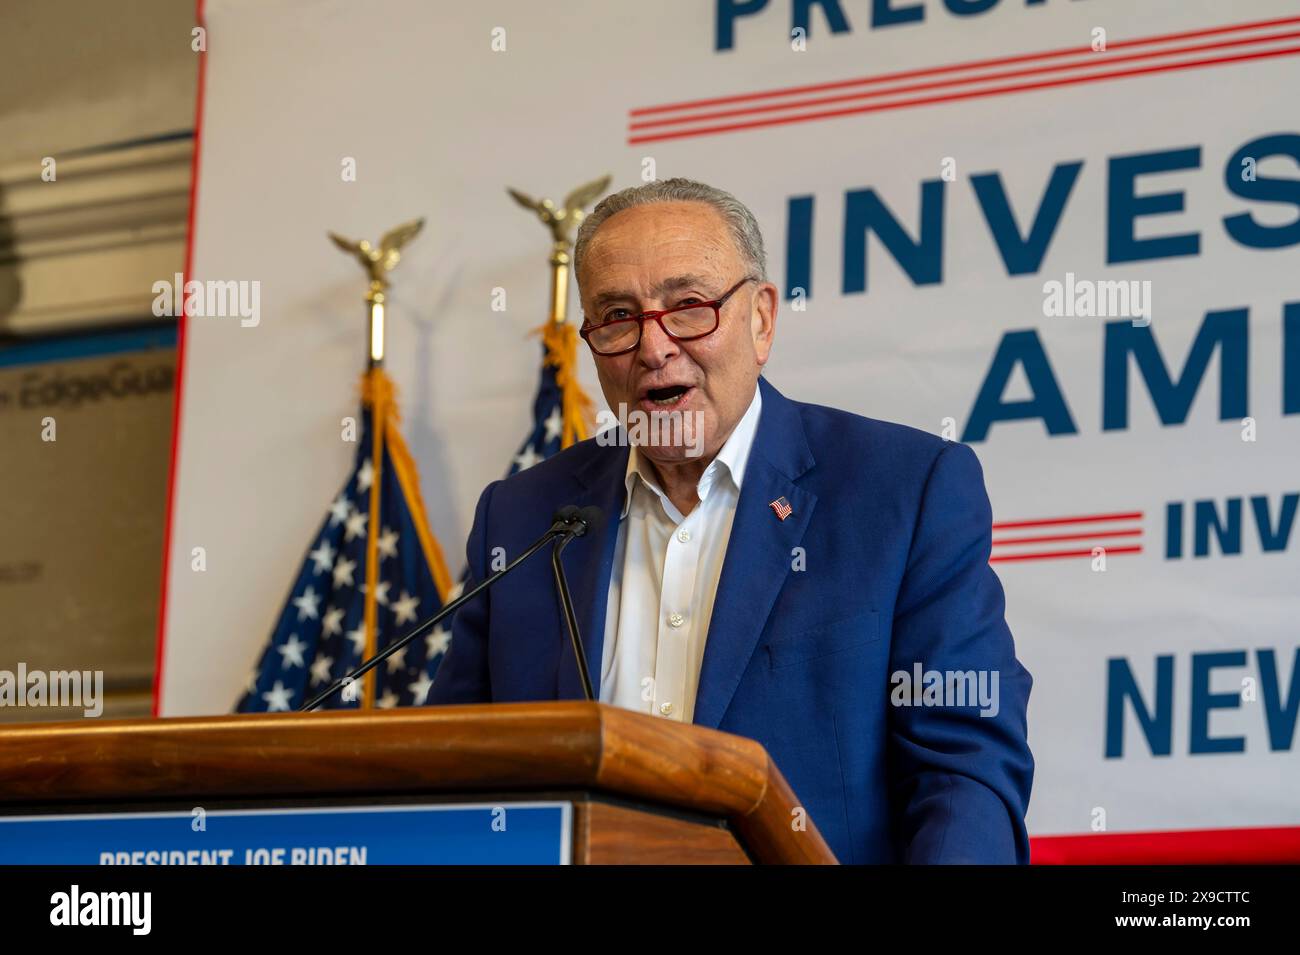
{"type": "Point", "coordinates": [742, 225]}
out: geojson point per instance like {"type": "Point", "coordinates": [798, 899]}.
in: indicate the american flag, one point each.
{"type": "Point", "coordinates": [555, 427]}
{"type": "Point", "coordinates": [321, 633]}
{"type": "Point", "coordinates": [782, 508]}
{"type": "Point", "coordinates": [550, 433]}
{"type": "Point", "coordinates": [548, 424]}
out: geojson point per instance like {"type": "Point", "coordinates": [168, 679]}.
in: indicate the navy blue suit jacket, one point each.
{"type": "Point", "coordinates": [892, 526]}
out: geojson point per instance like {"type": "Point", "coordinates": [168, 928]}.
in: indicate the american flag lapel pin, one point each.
{"type": "Point", "coordinates": [781, 507]}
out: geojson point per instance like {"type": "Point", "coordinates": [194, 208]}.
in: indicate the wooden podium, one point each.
{"type": "Point", "coordinates": [641, 789]}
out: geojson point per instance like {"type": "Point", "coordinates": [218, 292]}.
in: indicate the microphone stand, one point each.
{"type": "Point", "coordinates": [563, 528]}
{"type": "Point", "coordinates": [570, 619]}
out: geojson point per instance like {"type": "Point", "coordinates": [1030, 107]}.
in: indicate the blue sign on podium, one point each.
{"type": "Point", "coordinates": [529, 833]}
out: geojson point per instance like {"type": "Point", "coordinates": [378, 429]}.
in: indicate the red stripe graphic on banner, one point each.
{"type": "Point", "coordinates": [1066, 537]}
{"type": "Point", "coordinates": [958, 67]}
{"type": "Point", "coordinates": [1071, 523]}
{"type": "Point", "coordinates": [1088, 518]}
{"type": "Point", "coordinates": [1102, 70]}
{"type": "Point", "coordinates": [1053, 555]}
{"type": "Point", "coordinates": [1101, 64]}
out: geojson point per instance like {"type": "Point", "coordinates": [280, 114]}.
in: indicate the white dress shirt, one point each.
{"type": "Point", "coordinates": [665, 579]}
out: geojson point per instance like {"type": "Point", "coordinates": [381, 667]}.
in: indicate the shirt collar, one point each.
{"type": "Point", "coordinates": [731, 459]}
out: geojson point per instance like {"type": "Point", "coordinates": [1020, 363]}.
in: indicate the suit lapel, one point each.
{"type": "Point", "coordinates": [759, 552]}
{"type": "Point", "coordinates": [588, 563]}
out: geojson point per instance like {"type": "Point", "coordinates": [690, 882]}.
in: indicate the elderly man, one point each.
{"type": "Point", "coordinates": [772, 569]}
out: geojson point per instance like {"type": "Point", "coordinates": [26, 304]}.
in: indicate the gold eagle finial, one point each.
{"type": "Point", "coordinates": [378, 262]}
{"type": "Point", "coordinates": [563, 220]}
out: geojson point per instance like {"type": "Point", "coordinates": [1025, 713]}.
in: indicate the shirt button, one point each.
{"type": "Point", "coordinates": [675, 620]}
{"type": "Point", "coordinates": [666, 709]}
{"type": "Point", "coordinates": [684, 535]}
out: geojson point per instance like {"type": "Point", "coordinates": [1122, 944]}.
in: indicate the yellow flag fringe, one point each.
{"type": "Point", "coordinates": [380, 395]}
{"type": "Point", "coordinates": [561, 342]}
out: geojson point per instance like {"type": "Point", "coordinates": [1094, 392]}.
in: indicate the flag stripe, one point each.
{"type": "Point", "coordinates": [404, 469]}
{"type": "Point", "coordinates": [372, 532]}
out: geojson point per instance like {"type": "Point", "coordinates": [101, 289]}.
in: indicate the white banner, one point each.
{"type": "Point", "coordinates": [1064, 233]}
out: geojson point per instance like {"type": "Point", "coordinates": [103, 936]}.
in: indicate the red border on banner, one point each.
{"type": "Point", "coordinates": [1176, 847]}
{"type": "Point", "coordinates": [181, 322]}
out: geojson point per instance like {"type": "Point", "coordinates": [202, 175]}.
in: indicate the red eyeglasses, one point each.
{"type": "Point", "coordinates": [683, 323]}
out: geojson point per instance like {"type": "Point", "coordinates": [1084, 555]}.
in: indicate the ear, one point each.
{"type": "Point", "coordinates": [763, 321]}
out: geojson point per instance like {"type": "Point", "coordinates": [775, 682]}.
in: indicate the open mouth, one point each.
{"type": "Point", "coordinates": [666, 398]}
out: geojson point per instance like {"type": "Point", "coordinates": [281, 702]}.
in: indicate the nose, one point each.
{"type": "Point", "coordinates": [656, 348]}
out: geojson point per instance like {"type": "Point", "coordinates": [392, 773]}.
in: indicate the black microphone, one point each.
{"type": "Point", "coordinates": [579, 522]}
{"type": "Point", "coordinates": [567, 523]}
{"type": "Point", "coordinates": [565, 517]}
{"type": "Point", "coordinates": [590, 517]}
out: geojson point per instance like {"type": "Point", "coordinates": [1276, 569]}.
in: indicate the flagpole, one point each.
{"type": "Point", "coordinates": [376, 392]}
{"type": "Point", "coordinates": [560, 259]}
{"type": "Point", "coordinates": [560, 337]}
